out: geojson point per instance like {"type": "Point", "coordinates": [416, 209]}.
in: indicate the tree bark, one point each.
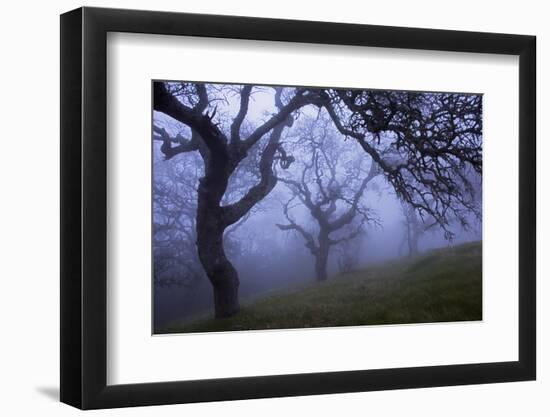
{"type": "Point", "coordinates": [413, 232]}
{"type": "Point", "coordinates": [321, 258]}
{"type": "Point", "coordinates": [226, 292]}
{"type": "Point", "coordinates": [220, 271]}
{"type": "Point", "coordinates": [211, 225]}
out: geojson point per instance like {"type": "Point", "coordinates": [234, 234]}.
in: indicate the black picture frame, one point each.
{"type": "Point", "coordinates": [84, 207]}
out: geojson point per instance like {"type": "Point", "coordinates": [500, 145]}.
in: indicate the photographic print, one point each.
{"type": "Point", "coordinates": [286, 207]}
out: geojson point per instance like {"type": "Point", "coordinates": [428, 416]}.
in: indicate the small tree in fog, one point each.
{"type": "Point", "coordinates": [330, 183]}
{"type": "Point", "coordinates": [414, 228]}
{"type": "Point", "coordinates": [348, 258]}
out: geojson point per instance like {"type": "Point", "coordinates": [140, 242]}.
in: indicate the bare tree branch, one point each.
{"type": "Point", "coordinates": [243, 110]}
{"type": "Point", "coordinates": [169, 151]}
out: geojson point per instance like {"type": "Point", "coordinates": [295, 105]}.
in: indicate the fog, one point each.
{"type": "Point", "coordinates": [266, 246]}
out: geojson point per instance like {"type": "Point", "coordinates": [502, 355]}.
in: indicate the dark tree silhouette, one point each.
{"type": "Point", "coordinates": [176, 261]}
{"type": "Point", "coordinates": [222, 153]}
{"type": "Point", "coordinates": [330, 187]}
{"type": "Point", "coordinates": [426, 144]}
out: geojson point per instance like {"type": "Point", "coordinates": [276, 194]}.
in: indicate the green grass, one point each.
{"type": "Point", "coordinates": [439, 286]}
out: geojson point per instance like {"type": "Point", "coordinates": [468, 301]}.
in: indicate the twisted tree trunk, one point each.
{"type": "Point", "coordinates": [221, 155]}
{"type": "Point", "coordinates": [211, 224]}
{"type": "Point", "coordinates": [321, 256]}
{"type": "Point", "coordinates": [220, 271]}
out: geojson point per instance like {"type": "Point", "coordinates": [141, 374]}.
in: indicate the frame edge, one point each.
{"type": "Point", "coordinates": [83, 202]}
{"type": "Point", "coordinates": [70, 215]}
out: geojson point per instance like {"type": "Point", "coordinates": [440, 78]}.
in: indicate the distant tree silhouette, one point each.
{"type": "Point", "coordinates": [330, 186]}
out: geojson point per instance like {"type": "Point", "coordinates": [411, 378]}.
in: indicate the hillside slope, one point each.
{"type": "Point", "coordinates": [441, 285]}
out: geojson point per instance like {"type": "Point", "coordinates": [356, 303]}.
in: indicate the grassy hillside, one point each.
{"type": "Point", "coordinates": [441, 285]}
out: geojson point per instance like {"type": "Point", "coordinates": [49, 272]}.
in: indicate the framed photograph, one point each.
{"type": "Point", "coordinates": [255, 208]}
